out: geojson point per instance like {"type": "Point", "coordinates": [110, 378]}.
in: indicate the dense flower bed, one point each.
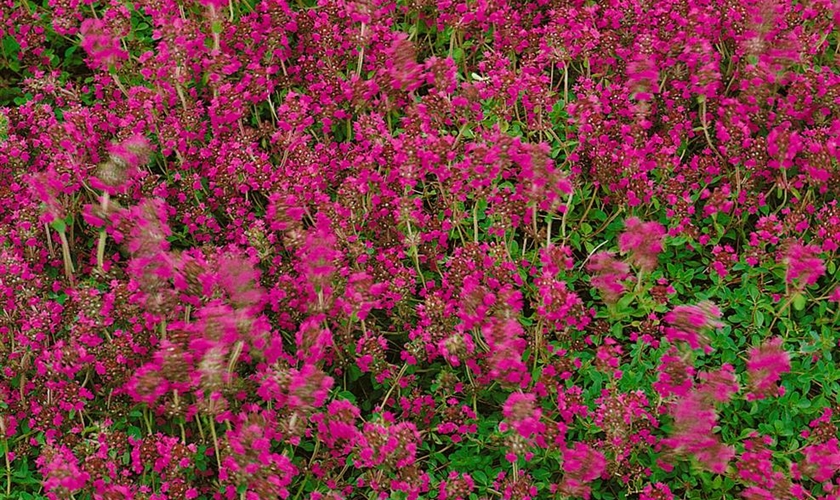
{"type": "Point", "coordinates": [419, 249]}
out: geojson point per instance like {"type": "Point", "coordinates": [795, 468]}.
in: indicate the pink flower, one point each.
{"type": "Point", "coordinates": [755, 465]}
{"type": "Point", "coordinates": [101, 45]}
{"type": "Point", "coordinates": [582, 464]}
{"type": "Point", "coordinates": [556, 258]}
{"type": "Point", "coordinates": [308, 388]}
{"type": "Point", "coordinates": [822, 461]}
{"type": "Point", "coordinates": [504, 337]}
{"type": "Point", "coordinates": [765, 367]}
{"type": "Point", "coordinates": [61, 471]}
{"type": "Point", "coordinates": [642, 77]}
{"type": "Point", "coordinates": [690, 324]}
{"type": "Point", "coordinates": [609, 275]}
{"type": "Point", "coordinates": [643, 241]}
{"type": "Point", "coordinates": [523, 415]}
{"type": "Point", "coordinates": [719, 385]}
{"type": "Point", "coordinates": [558, 302]}
{"type": "Point", "coordinates": [803, 265]}
{"type": "Point", "coordinates": [675, 375]}
{"type": "Point", "coordinates": [657, 491]}
{"type": "Point", "coordinates": [694, 421]}
{"type": "Point", "coordinates": [403, 68]}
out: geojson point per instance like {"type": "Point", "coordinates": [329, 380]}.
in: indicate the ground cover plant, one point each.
{"type": "Point", "coordinates": [419, 249]}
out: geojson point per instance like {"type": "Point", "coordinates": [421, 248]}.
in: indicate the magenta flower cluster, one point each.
{"type": "Point", "coordinates": [419, 249]}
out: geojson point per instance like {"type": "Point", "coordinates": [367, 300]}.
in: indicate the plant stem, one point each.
{"type": "Point", "coordinates": [49, 242]}
{"type": "Point", "coordinates": [566, 215]}
{"type": "Point", "coordinates": [393, 386]}
{"type": "Point", "coordinates": [548, 232]}
{"type": "Point", "coordinates": [215, 442]}
{"type": "Point", "coordinates": [361, 58]}
{"type": "Point", "coordinates": [8, 468]}
{"type": "Point", "coordinates": [475, 222]}
{"type": "Point", "coordinates": [414, 254]}
{"type": "Point", "coordinates": [100, 251]}
{"type": "Point", "coordinates": [65, 253]}
{"type": "Point", "coordinates": [148, 419]}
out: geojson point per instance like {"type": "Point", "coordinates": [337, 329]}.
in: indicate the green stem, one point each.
{"type": "Point", "coordinates": [414, 254]}
{"type": "Point", "coordinates": [361, 59]}
{"type": "Point", "coordinates": [781, 311]}
{"type": "Point", "coordinates": [548, 232]}
{"type": "Point", "coordinates": [639, 277]}
{"type": "Point", "coordinates": [393, 386]}
{"type": "Point", "coordinates": [566, 215]}
{"type": "Point", "coordinates": [100, 251]}
{"type": "Point", "coordinates": [215, 442]}
{"type": "Point", "coordinates": [475, 222]}
{"type": "Point", "coordinates": [65, 253]}
{"type": "Point", "coordinates": [148, 419]}
{"type": "Point", "coordinates": [8, 468]}
{"type": "Point", "coordinates": [49, 241]}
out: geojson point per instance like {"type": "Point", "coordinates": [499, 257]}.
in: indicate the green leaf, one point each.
{"type": "Point", "coordinates": [799, 301]}
{"type": "Point", "coordinates": [59, 225]}
{"type": "Point", "coordinates": [11, 47]}
{"type": "Point", "coordinates": [347, 395]}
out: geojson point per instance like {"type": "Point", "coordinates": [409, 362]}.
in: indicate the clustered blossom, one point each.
{"type": "Point", "coordinates": [609, 275]}
{"type": "Point", "coordinates": [559, 303]}
{"type": "Point", "coordinates": [755, 466]}
{"type": "Point", "coordinates": [506, 346]}
{"type": "Point", "coordinates": [522, 415]}
{"type": "Point", "coordinates": [804, 268]}
{"type": "Point", "coordinates": [656, 491]}
{"type": "Point", "coordinates": [822, 460]}
{"type": "Point", "coordinates": [692, 323]}
{"type": "Point", "coordinates": [675, 374]}
{"type": "Point", "coordinates": [765, 366]}
{"type": "Point", "coordinates": [102, 46]}
{"type": "Point", "coordinates": [338, 249]}
{"type": "Point", "coordinates": [62, 475]}
{"type": "Point", "coordinates": [456, 486]}
{"type": "Point", "coordinates": [694, 420]}
{"type": "Point", "coordinates": [581, 465]}
{"type": "Point", "coordinates": [643, 242]}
